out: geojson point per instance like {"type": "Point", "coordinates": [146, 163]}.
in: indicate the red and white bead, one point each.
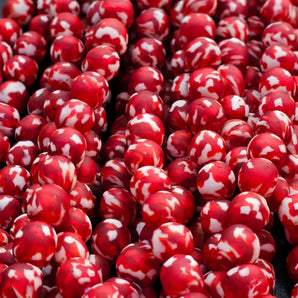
{"type": "Point", "coordinates": [42, 240]}
{"type": "Point", "coordinates": [137, 263]}
{"type": "Point", "coordinates": [206, 146]}
{"type": "Point", "coordinates": [171, 238]}
{"type": "Point", "coordinates": [258, 175]}
{"type": "Point", "coordinates": [181, 275]}
{"type": "Point", "coordinates": [21, 277]}
{"type": "Point", "coordinates": [10, 210]}
{"type": "Point", "coordinates": [161, 207]}
{"type": "Point", "coordinates": [148, 180]}
{"type": "Point", "coordinates": [249, 208]}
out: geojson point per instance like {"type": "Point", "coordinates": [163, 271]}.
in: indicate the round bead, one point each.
{"type": "Point", "coordinates": [269, 146]}
{"type": "Point", "coordinates": [137, 263]}
{"type": "Point", "coordinates": [111, 32]}
{"type": "Point", "coordinates": [145, 126]}
{"type": "Point", "coordinates": [69, 272]}
{"type": "Point", "coordinates": [23, 278]}
{"type": "Point", "coordinates": [205, 113]}
{"type": "Point", "coordinates": [278, 79]}
{"type": "Point", "coordinates": [249, 208]}
{"type": "Point", "coordinates": [76, 114]}
{"type": "Point", "coordinates": [202, 52]}
{"type": "Point", "coordinates": [170, 239]}
{"type": "Point", "coordinates": [21, 68]}
{"type": "Point", "coordinates": [6, 52]}
{"type": "Point", "coordinates": [109, 238]}
{"type": "Point", "coordinates": [10, 30]}
{"type": "Point", "coordinates": [62, 75]}
{"type": "Point", "coordinates": [196, 24]}
{"type": "Point", "coordinates": [41, 239]}
{"type": "Point", "coordinates": [186, 273]}
{"type": "Point", "coordinates": [148, 51]}
{"type": "Point", "coordinates": [67, 48]}
{"type": "Point", "coordinates": [103, 290]}
{"type": "Point", "coordinates": [57, 169]}
{"type": "Point", "coordinates": [58, 6]}
{"type": "Point", "coordinates": [10, 210]}
{"type": "Point", "coordinates": [31, 44]}
{"type": "Point", "coordinates": [66, 23]}
{"type": "Point", "coordinates": [216, 180]}
{"type": "Point", "coordinates": [70, 245]}
{"type": "Point", "coordinates": [146, 78]}
{"type": "Point", "coordinates": [4, 147]}
{"type": "Point", "coordinates": [144, 102]}
{"type": "Point", "coordinates": [14, 180]}
{"type": "Point", "coordinates": [102, 59]}
{"type": "Point", "coordinates": [205, 82]}
{"type": "Point", "coordinates": [20, 11]}
{"type": "Point", "coordinates": [237, 283]}
{"type": "Point", "coordinates": [153, 22]}
{"type": "Point", "coordinates": [148, 180]}
{"type": "Point", "coordinates": [118, 203]}
{"type": "Point", "coordinates": [91, 88]}
{"type": "Point", "coordinates": [206, 146]}
{"type": "Point", "coordinates": [45, 198]}
{"type": "Point", "coordinates": [69, 142]}
{"type": "Point", "coordinates": [258, 175]}
{"type": "Point", "coordinates": [15, 94]}
{"type": "Point", "coordinates": [161, 207]}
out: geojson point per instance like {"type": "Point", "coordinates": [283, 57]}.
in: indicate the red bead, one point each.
{"type": "Point", "coordinates": [115, 174]}
{"type": "Point", "coordinates": [183, 172]}
{"type": "Point", "coordinates": [41, 23]}
{"type": "Point", "coordinates": [48, 196]}
{"type": "Point", "coordinates": [146, 78]}
{"type": "Point", "coordinates": [196, 24]}
{"type": "Point", "coordinates": [67, 48]}
{"type": "Point", "coordinates": [205, 82]}
{"type": "Point", "coordinates": [205, 113]}
{"type": "Point", "coordinates": [20, 11]}
{"type": "Point", "coordinates": [22, 153]}
{"type": "Point", "coordinates": [249, 208]}
{"type": "Point", "coordinates": [148, 51]}
{"type": "Point", "coordinates": [243, 279]}
{"type": "Point", "coordinates": [66, 23]}
{"type": "Point", "coordinates": [70, 245]}
{"type": "Point", "coordinates": [102, 59]}
{"type": "Point", "coordinates": [216, 180]}
{"type": "Point", "coordinates": [91, 88]}
{"type": "Point", "coordinates": [177, 115]}
{"type": "Point", "coordinates": [69, 142]}
{"type": "Point", "coordinates": [41, 238]}
{"type": "Point", "coordinates": [31, 44]}
{"type": "Point", "coordinates": [21, 277]}
{"type": "Point", "coordinates": [21, 68]}
{"type": "Point", "coordinates": [43, 138]}
{"type": "Point", "coordinates": [206, 146]}
{"type": "Point", "coordinates": [123, 11]}
{"type": "Point", "coordinates": [14, 93]}
{"type": "Point", "coordinates": [111, 32]}
{"type": "Point", "coordinates": [148, 180]}
{"type": "Point", "coordinates": [145, 126]}
{"type": "Point", "coordinates": [181, 275]}
{"type": "Point", "coordinates": [214, 216]}
{"type": "Point", "coordinates": [143, 152]}
{"type": "Point", "coordinates": [161, 207]}
{"type": "Point", "coordinates": [159, 28]}
{"type": "Point", "coordinates": [118, 203]}
{"type": "Point", "coordinates": [10, 30]}
{"type": "Point", "coordinates": [137, 262]}
{"type": "Point", "coordinates": [232, 26]}
{"type": "Point", "coordinates": [62, 75]}
{"type": "Point", "coordinates": [258, 175]}
{"type": "Point", "coordinates": [59, 6]}
{"type": "Point", "coordinates": [268, 245]}
{"type": "Point", "coordinates": [6, 51]}
{"type": "Point", "coordinates": [57, 169]}
{"type": "Point", "coordinates": [78, 222]}
{"type": "Point", "coordinates": [14, 180]}
{"type": "Point", "coordinates": [87, 171]}
{"type": "Point", "coordinates": [231, 8]}
{"type": "Point", "coordinates": [69, 272]}
{"type": "Point", "coordinates": [171, 238]}
{"type": "Point", "coordinates": [268, 145]}
{"type": "Point", "coordinates": [10, 209]}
